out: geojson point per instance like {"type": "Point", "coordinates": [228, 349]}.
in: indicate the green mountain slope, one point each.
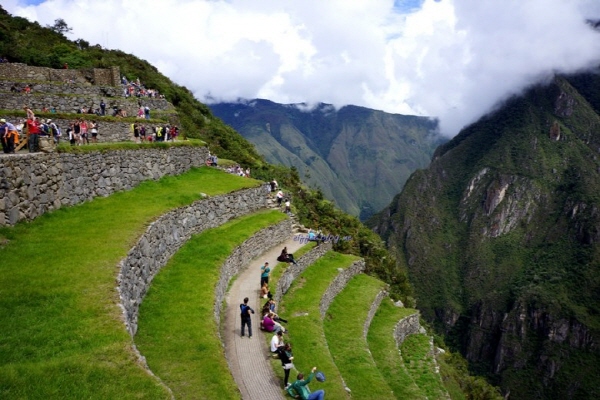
{"type": "Point", "coordinates": [501, 237]}
{"type": "Point", "coordinates": [358, 157]}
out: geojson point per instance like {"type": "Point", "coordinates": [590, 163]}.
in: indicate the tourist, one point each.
{"type": "Point", "coordinates": [102, 108]}
{"type": "Point", "coordinates": [286, 357]}
{"type": "Point", "coordinates": [8, 135]}
{"type": "Point", "coordinates": [84, 132]}
{"type": "Point", "coordinates": [71, 134]}
{"type": "Point", "coordinates": [285, 257]}
{"type": "Point", "coordinates": [300, 390]}
{"type": "Point", "coordinates": [94, 130]}
{"type": "Point", "coordinates": [264, 274]}
{"type": "Point", "coordinates": [276, 343]}
{"type": "Point", "coordinates": [54, 130]}
{"type": "Point", "coordinates": [288, 209]}
{"type": "Point", "coordinates": [77, 132]}
{"type": "Point", "coordinates": [269, 324]}
{"type": "Point", "coordinates": [279, 198]}
{"type": "Point", "coordinates": [29, 112]}
{"type": "Point", "coordinates": [264, 291]}
{"type": "Point", "coordinates": [33, 132]}
{"type": "Point", "coordinates": [245, 311]}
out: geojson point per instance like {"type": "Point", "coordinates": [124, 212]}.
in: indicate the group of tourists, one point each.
{"type": "Point", "coordinates": [137, 89]}
{"type": "Point", "coordinates": [272, 322]}
{"type": "Point", "coordinates": [239, 171]}
{"type": "Point", "coordinates": [157, 133]}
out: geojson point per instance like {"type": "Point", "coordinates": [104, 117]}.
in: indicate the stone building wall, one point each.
{"type": "Point", "coordinates": [168, 233]}
{"type": "Point", "coordinates": [338, 284]}
{"type": "Point", "coordinates": [241, 255]}
{"type": "Point", "coordinates": [24, 72]}
{"type": "Point", "coordinates": [33, 184]}
{"type": "Point", "coordinates": [294, 270]}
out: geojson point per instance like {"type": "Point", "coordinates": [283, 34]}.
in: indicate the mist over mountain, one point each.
{"type": "Point", "coordinates": [501, 238]}
{"type": "Point", "coordinates": [358, 157]}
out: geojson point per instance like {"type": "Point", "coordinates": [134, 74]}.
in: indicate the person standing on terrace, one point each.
{"type": "Point", "coordinates": [8, 134]}
{"type": "Point", "coordinates": [33, 134]}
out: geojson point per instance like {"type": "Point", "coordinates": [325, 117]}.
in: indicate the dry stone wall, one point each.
{"type": "Point", "coordinates": [23, 72]}
{"type": "Point", "coordinates": [63, 88]}
{"type": "Point", "coordinates": [168, 233]}
{"type": "Point", "coordinates": [374, 306]}
{"type": "Point", "coordinates": [72, 102]}
{"type": "Point", "coordinates": [294, 270]}
{"type": "Point", "coordinates": [241, 255]}
{"type": "Point", "coordinates": [407, 326]}
{"type": "Point", "coordinates": [338, 284]}
{"type": "Point", "coordinates": [32, 184]}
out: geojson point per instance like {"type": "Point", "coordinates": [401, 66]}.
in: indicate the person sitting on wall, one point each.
{"type": "Point", "coordinates": [285, 257]}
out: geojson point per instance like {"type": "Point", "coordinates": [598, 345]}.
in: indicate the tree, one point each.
{"type": "Point", "coordinates": [60, 26]}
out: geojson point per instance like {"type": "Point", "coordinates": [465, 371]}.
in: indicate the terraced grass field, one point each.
{"type": "Point", "coordinates": [62, 336]}
{"type": "Point", "coordinates": [177, 332]}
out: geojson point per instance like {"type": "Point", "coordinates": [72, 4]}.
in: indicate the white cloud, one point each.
{"type": "Point", "coordinates": [452, 59]}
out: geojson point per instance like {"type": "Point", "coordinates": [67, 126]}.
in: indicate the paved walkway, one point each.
{"type": "Point", "coordinates": [249, 358]}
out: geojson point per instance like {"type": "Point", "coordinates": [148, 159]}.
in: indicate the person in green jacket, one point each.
{"type": "Point", "coordinates": [300, 390]}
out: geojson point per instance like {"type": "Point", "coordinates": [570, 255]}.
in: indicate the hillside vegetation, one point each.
{"type": "Point", "coordinates": [502, 242]}
{"type": "Point", "coordinates": [27, 42]}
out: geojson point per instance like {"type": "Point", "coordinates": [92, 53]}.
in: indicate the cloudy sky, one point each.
{"type": "Point", "coordinates": [451, 59]}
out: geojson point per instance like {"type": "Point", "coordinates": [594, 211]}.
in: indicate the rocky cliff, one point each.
{"type": "Point", "coordinates": [501, 237]}
{"type": "Point", "coordinates": [358, 157]}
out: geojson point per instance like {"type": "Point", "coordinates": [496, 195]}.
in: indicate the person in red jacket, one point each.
{"type": "Point", "coordinates": [33, 133]}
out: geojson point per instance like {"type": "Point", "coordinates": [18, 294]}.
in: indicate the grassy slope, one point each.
{"type": "Point", "coordinates": [62, 333]}
{"type": "Point", "coordinates": [419, 362]}
{"type": "Point", "coordinates": [385, 351]}
{"type": "Point", "coordinates": [343, 328]}
{"type": "Point", "coordinates": [301, 307]}
{"type": "Point", "coordinates": [177, 333]}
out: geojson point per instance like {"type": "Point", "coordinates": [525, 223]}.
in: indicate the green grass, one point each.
{"type": "Point", "coordinates": [343, 328]}
{"type": "Point", "coordinates": [415, 352]}
{"type": "Point", "coordinates": [67, 148]}
{"type": "Point", "coordinates": [62, 332]}
{"type": "Point", "coordinates": [177, 332]}
{"type": "Point", "coordinates": [300, 306]}
{"type": "Point", "coordinates": [385, 351]}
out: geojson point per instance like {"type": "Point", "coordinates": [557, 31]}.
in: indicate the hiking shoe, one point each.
{"type": "Point", "coordinates": [287, 386]}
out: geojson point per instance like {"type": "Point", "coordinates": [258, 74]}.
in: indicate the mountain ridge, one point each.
{"type": "Point", "coordinates": [500, 237]}
{"type": "Point", "coordinates": [356, 156]}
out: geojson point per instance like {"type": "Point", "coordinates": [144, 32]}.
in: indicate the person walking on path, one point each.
{"type": "Point", "coordinates": [300, 390]}
{"type": "Point", "coordinates": [264, 274]}
{"type": "Point", "coordinates": [246, 310]}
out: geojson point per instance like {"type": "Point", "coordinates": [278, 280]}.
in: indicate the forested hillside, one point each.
{"type": "Point", "coordinates": [502, 242]}
{"type": "Point", "coordinates": [358, 157]}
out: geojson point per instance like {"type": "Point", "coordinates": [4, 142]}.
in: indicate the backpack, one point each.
{"type": "Point", "coordinates": [245, 310]}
